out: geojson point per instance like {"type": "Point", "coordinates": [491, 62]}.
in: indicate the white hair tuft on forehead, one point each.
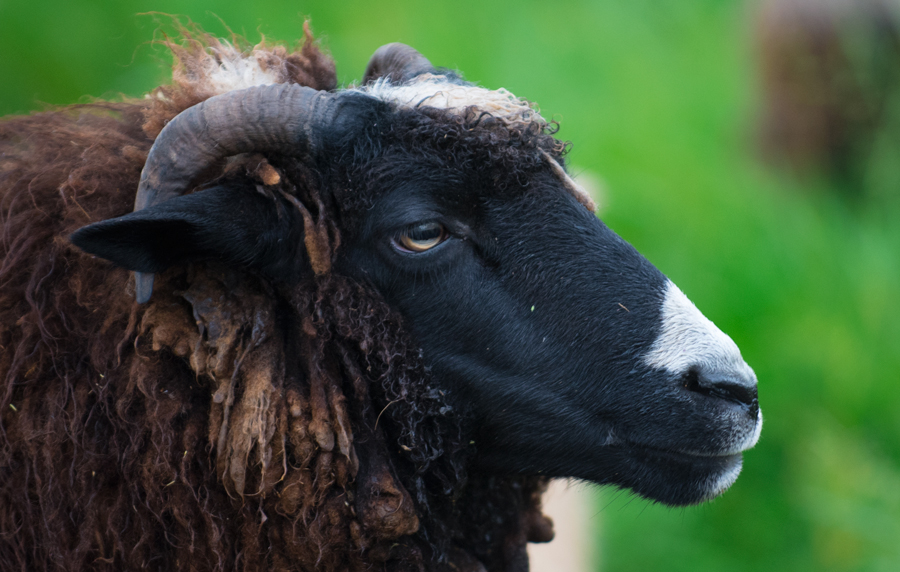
{"type": "Point", "coordinates": [439, 91]}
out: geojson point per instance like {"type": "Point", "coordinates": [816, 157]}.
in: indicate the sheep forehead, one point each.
{"type": "Point", "coordinates": [438, 91]}
{"type": "Point", "coordinates": [223, 68]}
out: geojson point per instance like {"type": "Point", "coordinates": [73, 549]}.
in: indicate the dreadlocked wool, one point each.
{"type": "Point", "coordinates": [225, 425]}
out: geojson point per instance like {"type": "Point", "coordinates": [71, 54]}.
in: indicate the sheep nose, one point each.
{"type": "Point", "coordinates": [738, 388]}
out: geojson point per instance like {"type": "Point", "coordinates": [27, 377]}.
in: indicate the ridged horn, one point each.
{"type": "Point", "coordinates": [398, 62]}
{"type": "Point", "coordinates": [272, 118]}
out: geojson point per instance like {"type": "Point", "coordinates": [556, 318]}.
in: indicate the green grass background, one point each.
{"type": "Point", "coordinates": [659, 98]}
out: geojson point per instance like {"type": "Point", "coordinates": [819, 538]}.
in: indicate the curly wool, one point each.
{"type": "Point", "coordinates": [228, 424]}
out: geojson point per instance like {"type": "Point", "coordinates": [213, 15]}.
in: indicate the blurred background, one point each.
{"type": "Point", "coordinates": [749, 149]}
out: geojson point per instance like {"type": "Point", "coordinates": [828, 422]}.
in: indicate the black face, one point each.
{"type": "Point", "coordinates": [536, 316]}
{"type": "Point", "coordinates": [568, 352]}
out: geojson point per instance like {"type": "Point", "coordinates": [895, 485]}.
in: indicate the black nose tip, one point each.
{"type": "Point", "coordinates": [723, 386]}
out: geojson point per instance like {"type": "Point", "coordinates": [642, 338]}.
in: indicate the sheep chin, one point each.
{"type": "Point", "coordinates": [678, 479]}
{"type": "Point", "coordinates": [717, 486]}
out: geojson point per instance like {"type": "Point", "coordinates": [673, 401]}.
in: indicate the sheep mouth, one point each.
{"type": "Point", "coordinates": [684, 455]}
{"type": "Point", "coordinates": [681, 478]}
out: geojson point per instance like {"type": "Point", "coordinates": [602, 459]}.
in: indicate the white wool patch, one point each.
{"type": "Point", "coordinates": [230, 70]}
{"type": "Point", "coordinates": [431, 90]}
{"type": "Point", "coordinates": [690, 339]}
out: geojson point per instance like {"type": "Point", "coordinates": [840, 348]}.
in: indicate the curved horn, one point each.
{"type": "Point", "coordinates": [265, 118]}
{"type": "Point", "coordinates": [398, 62]}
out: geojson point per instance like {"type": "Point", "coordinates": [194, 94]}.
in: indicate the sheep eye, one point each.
{"type": "Point", "coordinates": [421, 237]}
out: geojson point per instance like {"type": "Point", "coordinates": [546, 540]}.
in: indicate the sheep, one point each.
{"type": "Point", "coordinates": [365, 327]}
{"type": "Point", "coordinates": [828, 70]}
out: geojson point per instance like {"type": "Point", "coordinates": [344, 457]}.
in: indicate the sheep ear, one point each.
{"type": "Point", "coordinates": [236, 223]}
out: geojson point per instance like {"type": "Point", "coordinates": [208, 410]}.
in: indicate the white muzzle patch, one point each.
{"type": "Point", "coordinates": [689, 339]}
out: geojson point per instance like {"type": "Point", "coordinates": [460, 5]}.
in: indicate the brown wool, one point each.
{"type": "Point", "coordinates": [225, 425]}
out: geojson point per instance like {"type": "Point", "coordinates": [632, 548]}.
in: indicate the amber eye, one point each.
{"type": "Point", "coordinates": [421, 237]}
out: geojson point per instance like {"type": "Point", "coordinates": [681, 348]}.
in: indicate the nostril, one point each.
{"type": "Point", "coordinates": [691, 380]}
{"type": "Point", "coordinates": [733, 392]}
{"type": "Point", "coordinates": [721, 387]}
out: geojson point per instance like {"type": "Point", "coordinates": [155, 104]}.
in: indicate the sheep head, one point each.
{"type": "Point", "coordinates": [561, 350]}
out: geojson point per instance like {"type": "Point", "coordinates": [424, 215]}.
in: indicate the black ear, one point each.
{"type": "Point", "coordinates": [235, 223]}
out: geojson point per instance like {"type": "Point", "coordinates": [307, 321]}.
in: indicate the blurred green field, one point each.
{"type": "Point", "coordinates": [659, 98]}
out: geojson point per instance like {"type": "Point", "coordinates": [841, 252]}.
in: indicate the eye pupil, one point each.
{"type": "Point", "coordinates": [422, 237]}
